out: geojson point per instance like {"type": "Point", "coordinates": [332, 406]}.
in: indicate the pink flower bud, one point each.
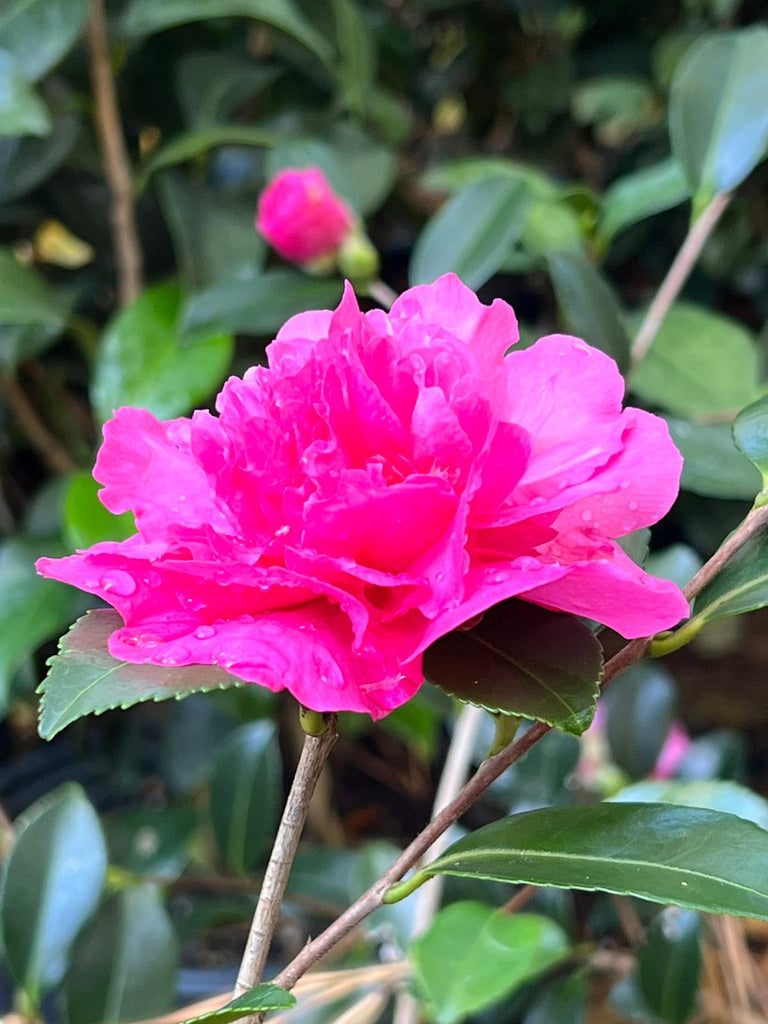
{"type": "Point", "coordinates": [301, 216]}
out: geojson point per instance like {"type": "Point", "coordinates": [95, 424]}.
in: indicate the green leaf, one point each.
{"type": "Point", "coordinates": [357, 55]}
{"type": "Point", "coordinates": [40, 32]}
{"type": "Point", "coordinates": [259, 306]}
{"type": "Point", "coordinates": [360, 170]}
{"type": "Point", "coordinates": [716, 795]}
{"type": "Point", "coordinates": [246, 791]}
{"type": "Point", "coordinates": [712, 465]}
{"type": "Point", "coordinates": [123, 965]}
{"type": "Point", "coordinates": [189, 145]}
{"type": "Point", "coordinates": [25, 162]}
{"type": "Point", "coordinates": [618, 106]}
{"type": "Point", "coordinates": [473, 955]}
{"type": "Point", "coordinates": [644, 694]}
{"type": "Point", "coordinates": [740, 586]}
{"type": "Point", "coordinates": [718, 121]}
{"type": "Point", "coordinates": [152, 840]}
{"type": "Point", "coordinates": [750, 435]}
{"type": "Point", "coordinates": [699, 363]}
{"type": "Point", "coordinates": [144, 17]}
{"type": "Point", "coordinates": [457, 174]}
{"type": "Point", "coordinates": [522, 660]}
{"type": "Point", "coordinates": [694, 858]}
{"type": "Point", "coordinates": [670, 964]}
{"type": "Point", "coordinates": [261, 999]}
{"type": "Point", "coordinates": [24, 296]}
{"type": "Point", "coordinates": [472, 234]}
{"type": "Point", "coordinates": [85, 679]}
{"type": "Point", "coordinates": [213, 233]}
{"type": "Point", "coordinates": [22, 112]}
{"type": "Point", "coordinates": [641, 194]}
{"type": "Point", "coordinates": [142, 359]}
{"type": "Point", "coordinates": [32, 609]}
{"type": "Point", "coordinates": [211, 85]}
{"type": "Point", "coordinates": [86, 521]}
{"type": "Point", "coordinates": [24, 341]}
{"type": "Point", "coordinates": [588, 304]}
{"type": "Point", "coordinates": [53, 881]}
{"type": "Point", "coordinates": [561, 1002]}
{"type": "Point", "coordinates": [678, 563]}
{"type": "Point", "coordinates": [552, 226]}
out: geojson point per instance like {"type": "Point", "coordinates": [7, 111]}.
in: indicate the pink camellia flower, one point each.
{"type": "Point", "coordinates": [301, 216]}
{"type": "Point", "coordinates": [386, 478]}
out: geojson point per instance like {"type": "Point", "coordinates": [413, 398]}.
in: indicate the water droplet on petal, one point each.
{"type": "Point", "coordinates": [586, 516]}
{"type": "Point", "coordinates": [625, 484]}
{"type": "Point", "coordinates": [153, 579]}
{"type": "Point", "coordinates": [118, 582]}
{"type": "Point", "coordinates": [633, 506]}
{"type": "Point", "coordinates": [205, 632]}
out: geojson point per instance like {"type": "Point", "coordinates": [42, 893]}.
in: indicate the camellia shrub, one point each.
{"type": "Point", "coordinates": [384, 418]}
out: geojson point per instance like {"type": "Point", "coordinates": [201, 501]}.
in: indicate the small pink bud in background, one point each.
{"type": "Point", "coordinates": [675, 746]}
{"type": "Point", "coordinates": [301, 216]}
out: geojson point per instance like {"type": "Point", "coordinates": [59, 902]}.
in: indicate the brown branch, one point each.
{"type": "Point", "coordinates": [55, 457]}
{"type": "Point", "coordinates": [677, 275]}
{"type": "Point", "coordinates": [313, 757]}
{"type": "Point", "coordinates": [490, 770]}
{"type": "Point", "coordinates": [117, 166]}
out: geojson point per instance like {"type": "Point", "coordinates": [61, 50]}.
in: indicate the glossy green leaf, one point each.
{"type": "Point", "coordinates": [562, 1002]}
{"type": "Point", "coordinates": [22, 111]}
{"type": "Point", "coordinates": [588, 304]}
{"type": "Point", "coordinates": [213, 233]}
{"type": "Point", "coordinates": [457, 174]}
{"type": "Point", "coordinates": [189, 145]}
{"type": "Point", "coordinates": [360, 170]}
{"type": "Point", "coordinates": [718, 121]}
{"type": "Point", "coordinates": [86, 521]}
{"type": "Point", "coordinates": [740, 586]}
{"type": "Point", "coordinates": [84, 678]}
{"type": "Point", "coordinates": [144, 17]}
{"type": "Point", "coordinates": [24, 296]}
{"type": "Point", "coordinates": [750, 434]}
{"type": "Point", "coordinates": [123, 965]}
{"type": "Point", "coordinates": [472, 955]}
{"type": "Point", "coordinates": [357, 54]}
{"type": "Point", "coordinates": [152, 840]}
{"type": "Point", "coordinates": [695, 858]}
{"type": "Point", "coordinates": [142, 359]}
{"type": "Point", "coordinates": [472, 234]}
{"type": "Point", "coordinates": [211, 85]}
{"type": "Point", "coordinates": [260, 306]}
{"type": "Point", "coordinates": [25, 162]}
{"type": "Point", "coordinates": [644, 694]}
{"type": "Point", "coordinates": [32, 609]}
{"type": "Point", "coordinates": [24, 341]}
{"type": "Point", "coordinates": [261, 999]}
{"type": "Point", "coordinates": [40, 32]}
{"type": "Point", "coordinates": [197, 723]}
{"type": "Point", "coordinates": [246, 792]}
{"type": "Point", "coordinates": [716, 795]}
{"type": "Point", "coordinates": [670, 964]}
{"type": "Point", "coordinates": [678, 563]}
{"type": "Point", "coordinates": [712, 465]}
{"type": "Point", "coordinates": [700, 363]}
{"type": "Point", "coordinates": [53, 881]}
{"type": "Point", "coordinates": [552, 226]}
{"type": "Point", "coordinates": [617, 106]}
{"type": "Point", "coordinates": [641, 194]}
{"type": "Point", "coordinates": [522, 660]}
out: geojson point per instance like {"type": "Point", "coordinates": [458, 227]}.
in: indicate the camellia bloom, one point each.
{"type": "Point", "coordinates": [386, 478]}
{"type": "Point", "coordinates": [301, 216]}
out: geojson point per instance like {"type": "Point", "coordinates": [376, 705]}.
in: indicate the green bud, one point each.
{"type": "Point", "coordinates": [357, 258]}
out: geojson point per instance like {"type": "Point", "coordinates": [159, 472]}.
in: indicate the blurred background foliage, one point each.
{"type": "Point", "coordinates": [550, 152]}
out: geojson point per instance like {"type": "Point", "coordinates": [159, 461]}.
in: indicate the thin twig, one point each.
{"type": "Point", "coordinates": [313, 757]}
{"type": "Point", "coordinates": [453, 777]}
{"type": "Point", "coordinates": [117, 166]}
{"type": "Point", "coordinates": [677, 275]}
{"type": "Point", "coordinates": [56, 458]}
{"type": "Point", "coordinates": [382, 293]}
{"type": "Point", "coordinates": [490, 770]}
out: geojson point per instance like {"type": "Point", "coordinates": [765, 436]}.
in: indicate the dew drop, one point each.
{"type": "Point", "coordinates": [499, 577]}
{"type": "Point", "coordinates": [153, 579]}
{"type": "Point", "coordinates": [625, 484]}
{"type": "Point", "coordinates": [205, 632]}
{"type": "Point", "coordinates": [586, 516]}
{"type": "Point", "coordinates": [633, 506]}
{"type": "Point", "coordinates": [118, 582]}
